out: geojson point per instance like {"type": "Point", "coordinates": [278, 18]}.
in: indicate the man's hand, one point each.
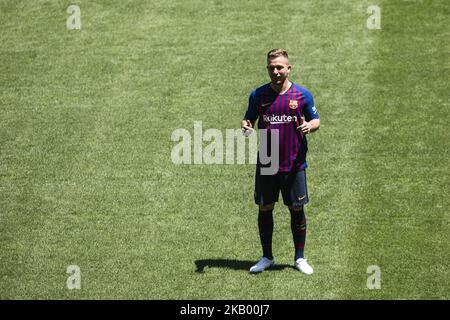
{"type": "Point", "coordinates": [246, 125]}
{"type": "Point", "coordinates": [307, 127]}
{"type": "Point", "coordinates": [247, 128]}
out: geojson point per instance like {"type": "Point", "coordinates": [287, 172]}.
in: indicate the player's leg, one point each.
{"type": "Point", "coordinates": [295, 196]}
{"type": "Point", "coordinates": [265, 227]}
{"type": "Point", "coordinates": [266, 194]}
{"type": "Point", "coordinates": [298, 228]}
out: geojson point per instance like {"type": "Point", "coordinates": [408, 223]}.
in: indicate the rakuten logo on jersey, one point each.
{"type": "Point", "coordinates": [274, 119]}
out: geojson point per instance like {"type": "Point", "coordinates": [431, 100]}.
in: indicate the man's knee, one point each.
{"type": "Point", "coordinates": [266, 207]}
{"type": "Point", "coordinates": [296, 208]}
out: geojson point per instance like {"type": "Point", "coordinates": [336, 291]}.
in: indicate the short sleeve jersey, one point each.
{"type": "Point", "coordinates": [284, 112]}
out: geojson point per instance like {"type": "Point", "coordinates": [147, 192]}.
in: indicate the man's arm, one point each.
{"type": "Point", "coordinates": [251, 115]}
{"type": "Point", "coordinates": [310, 121]}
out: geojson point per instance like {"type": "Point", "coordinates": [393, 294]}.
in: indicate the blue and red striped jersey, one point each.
{"type": "Point", "coordinates": [284, 112]}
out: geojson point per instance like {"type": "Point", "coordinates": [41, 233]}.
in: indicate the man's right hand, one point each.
{"type": "Point", "coordinates": [246, 125]}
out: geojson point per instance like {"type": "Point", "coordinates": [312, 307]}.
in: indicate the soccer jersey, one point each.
{"type": "Point", "coordinates": [284, 112]}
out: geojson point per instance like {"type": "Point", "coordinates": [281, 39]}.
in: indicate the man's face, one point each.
{"type": "Point", "coordinates": [278, 69]}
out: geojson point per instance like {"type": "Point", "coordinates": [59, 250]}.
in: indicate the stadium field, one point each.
{"type": "Point", "coordinates": [92, 205]}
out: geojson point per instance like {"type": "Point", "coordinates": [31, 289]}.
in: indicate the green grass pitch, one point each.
{"type": "Point", "coordinates": [86, 176]}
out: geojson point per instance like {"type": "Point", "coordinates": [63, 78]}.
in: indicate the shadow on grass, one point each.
{"type": "Point", "coordinates": [233, 264]}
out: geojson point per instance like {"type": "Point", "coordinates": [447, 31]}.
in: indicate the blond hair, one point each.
{"type": "Point", "coordinates": [275, 53]}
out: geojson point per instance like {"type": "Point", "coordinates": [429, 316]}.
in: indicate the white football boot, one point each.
{"type": "Point", "coordinates": [303, 266]}
{"type": "Point", "coordinates": [262, 265]}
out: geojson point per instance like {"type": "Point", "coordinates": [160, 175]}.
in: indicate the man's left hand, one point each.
{"type": "Point", "coordinates": [305, 127]}
{"type": "Point", "coordinates": [309, 126]}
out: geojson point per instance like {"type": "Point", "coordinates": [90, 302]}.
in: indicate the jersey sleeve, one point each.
{"type": "Point", "coordinates": [252, 109]}
{"type": "Point", "coordinates": [309, 110]}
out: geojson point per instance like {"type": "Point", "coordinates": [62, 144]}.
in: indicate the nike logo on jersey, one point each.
{"type": "Point", "coordinates": [266, 104]}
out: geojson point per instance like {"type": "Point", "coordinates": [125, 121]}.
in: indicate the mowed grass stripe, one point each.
{"type": "Point", "coordinates": [405, 230]}
{"type": "Point", "coordinates": [329, 247]}
{"type": "Point", "coordinates": [67, 158]}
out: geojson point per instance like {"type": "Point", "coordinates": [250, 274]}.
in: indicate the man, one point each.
{"type": "Point", "coordinates": [284, 106]}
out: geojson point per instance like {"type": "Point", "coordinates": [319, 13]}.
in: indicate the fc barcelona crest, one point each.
{"type": "Point", "coordinates": [293, 104]}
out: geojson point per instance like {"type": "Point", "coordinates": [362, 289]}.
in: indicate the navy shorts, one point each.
{"type": "Point", "coordinates": [292, 186]}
